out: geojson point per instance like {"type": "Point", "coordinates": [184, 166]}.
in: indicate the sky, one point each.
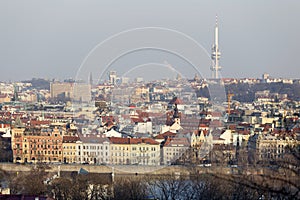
{"type": "Point", "coordinates": [53, 38]}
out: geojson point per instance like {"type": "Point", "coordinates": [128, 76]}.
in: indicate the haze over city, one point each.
{"type": "Point", "coordinates": [51, 39]}
{"type": "Point", "coordinates": [149, 99]}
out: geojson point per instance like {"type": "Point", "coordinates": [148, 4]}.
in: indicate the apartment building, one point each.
{"type": "Point", "coordinates": [70, 148]}
{"type": "Point", "coordinates": [93, 149]}
{"type": "Point", "coordinates": [134, 151]}
{"type": "Point", "coordinates": [173, 149]}
{"type": "Point", "coordinates": [37, 144]}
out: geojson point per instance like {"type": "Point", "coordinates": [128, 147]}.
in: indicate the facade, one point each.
{"type": "Point", "coordinates": [58, 89]}
{"type": "Point", "coordinates": [198, 137]}
{"type": "Point", "coordinates": [74, 91]}
{"type": "Point", "coordinates": [173, 149]}
{"type": "Point", "coordinates": [267, 147]}
{"type": "Point", "coordinates": [93, 150]}
{"type": "Point", "coordinates": [134, 151]}
{"type": "Point", "coordinates": [37, 144]}
{"type": "Point", "coordinates": [82, 92]}
{"type": "Point", "coordinates": [4, 98]}
{"type": "Point", "coordinates": [70, 147]}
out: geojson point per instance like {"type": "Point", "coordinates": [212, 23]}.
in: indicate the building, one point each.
{"type": "Point", "coordinates": [82, 92]}
{"type": "Point", "coordinates": [37, 144]}
{"type": "Point", "coordinates": [173, 149]}
{"type": "Point", "coordinates": [70, 149]}
{"type": "Point", "coordinates": [134, 151]}
{"type": "Point", "coordinates": [71, 91]}
{"type": "Point", "coordinates": [93, 149]}
{"type": "Point", "coordinates": [270, 147]}
{"type": "Point", "coordinates": [112, 77]}
{"type": "Point", "coordinates": [61, 90]}
{"type": "Point", "coordinates": [4, 98]}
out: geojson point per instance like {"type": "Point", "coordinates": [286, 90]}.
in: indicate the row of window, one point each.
{"type": "Point", "coordinates": [175, 149]}
{"type": "Point", "coordinates": [94, 153]}
{"type": "Point", "coordinates": [69, 147]}
{"type": "Point", "coordinates": [135, 161]}
{"type": "Point", "coordinates": [43, 152]}
{"type": "Point", "coordinates": [41, 140]}
{"type": "Point", "coordinates": [174, 154]}
{"type": "Point", "coordinates": [94, 147]}
{"type": "Point", "coordinates": [43, 146]}
{"type": "Point", "coordinates": [134, 148]}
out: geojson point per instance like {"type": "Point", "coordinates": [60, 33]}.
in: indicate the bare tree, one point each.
{"type": "Point", "coordinates": [130, 188]}
{"type": "Point", "coordinates": [31, 183]}
{"type": "Point", "coordinates": [170, 187]}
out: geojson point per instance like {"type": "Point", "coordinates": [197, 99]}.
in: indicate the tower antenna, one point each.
{"type": "Point", "coordinates": [215, 53]}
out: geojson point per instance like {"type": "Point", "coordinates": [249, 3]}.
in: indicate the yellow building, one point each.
{"type": "Point", "coordinates": [70, 149]}
{"type": "Point", "coordinates": [134, 151]}
{"type": "Point", "coordinates": [266, 147]}
{"type": "Point", "coordinates": [4, 98]}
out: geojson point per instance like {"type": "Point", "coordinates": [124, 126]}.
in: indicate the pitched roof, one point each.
{"type": "Point", "coordinates": [70, 139]}
{"type": "Point", "coordinates": [90, 138]}
{"type": "Point", "coordinates": [115, 140]}
{"type": "Point", "coordinates": [177, 142]}
{"type": "Point", "coordinates": [165, 135]}
{"type": "Point", "coordinates": [176, 100]}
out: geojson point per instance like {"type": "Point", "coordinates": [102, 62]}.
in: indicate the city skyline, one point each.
{"type": "Point", "coordinates": [51, 39]}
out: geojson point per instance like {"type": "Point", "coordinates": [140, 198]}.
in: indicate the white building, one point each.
{"type": "Point", "coordinates": [173, 149]}
{"type": "Point", "coordinates": [93, 150]}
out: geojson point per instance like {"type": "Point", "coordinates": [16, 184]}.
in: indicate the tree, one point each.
{"type": "Point", "coordinates": [130, 188]}
{"type": "Point", "coordinates": [31, 183]}
{"type": "Point", "coordinates": [61, 188]}
{"type": "Point", "coordinates": [81, 186]}
{"type": "Point", "coordinates": [170, 187]}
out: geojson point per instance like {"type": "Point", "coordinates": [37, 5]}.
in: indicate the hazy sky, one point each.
{"type": "Point", "coordinates": [51, 38]}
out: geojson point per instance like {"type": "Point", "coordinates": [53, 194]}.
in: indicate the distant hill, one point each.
{"type": "Point", "coordinates": [39, 83]}
{"type": "Point", "coordinates": [245, 92]}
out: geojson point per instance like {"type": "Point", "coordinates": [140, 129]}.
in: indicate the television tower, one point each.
{"type": "Point", "coordinates": [215, 54]}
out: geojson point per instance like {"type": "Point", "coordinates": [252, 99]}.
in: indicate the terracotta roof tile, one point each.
{"type": "Point", "coordinates": [150, 141]}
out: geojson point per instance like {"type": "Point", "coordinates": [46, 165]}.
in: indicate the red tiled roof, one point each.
{"type": "Point", "coordinates": [36, 122]}
{"type": "Point", "coordinates": [165, 135]}
{"type": "Point", "coordinates": [3, 95]}
{"type": "Point", "coordinates": [177, 141]}
{"type": "Point", "coordinates": [216, 114]}
{"type": "Point", "coordinates": [244, 132]}
{"type": "Point", "coordinates": [115, 140]}
{"type": "Point", "coordinates": [232, 127]}
{"type": "Point", "coordinates": [107, 118]}
{"type": "Point", "coordinates": [70, 139]}
{"type": "Point", "coordinates": [4, 125]}
{"type": "Point", "coordinates": [203, 126]}
{"type": "Point", "coordinates": [176, 100]}
{"type": "Point", "coordinates": [140, 120]}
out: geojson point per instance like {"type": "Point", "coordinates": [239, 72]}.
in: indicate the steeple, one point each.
{"type": "Point", "coordinates": [91, 79]}
{"type": "Point", "coordinates": [176, 113]}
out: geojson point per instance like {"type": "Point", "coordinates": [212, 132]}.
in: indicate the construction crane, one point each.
{"type": "Point", "coordinates": [229, 96]}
